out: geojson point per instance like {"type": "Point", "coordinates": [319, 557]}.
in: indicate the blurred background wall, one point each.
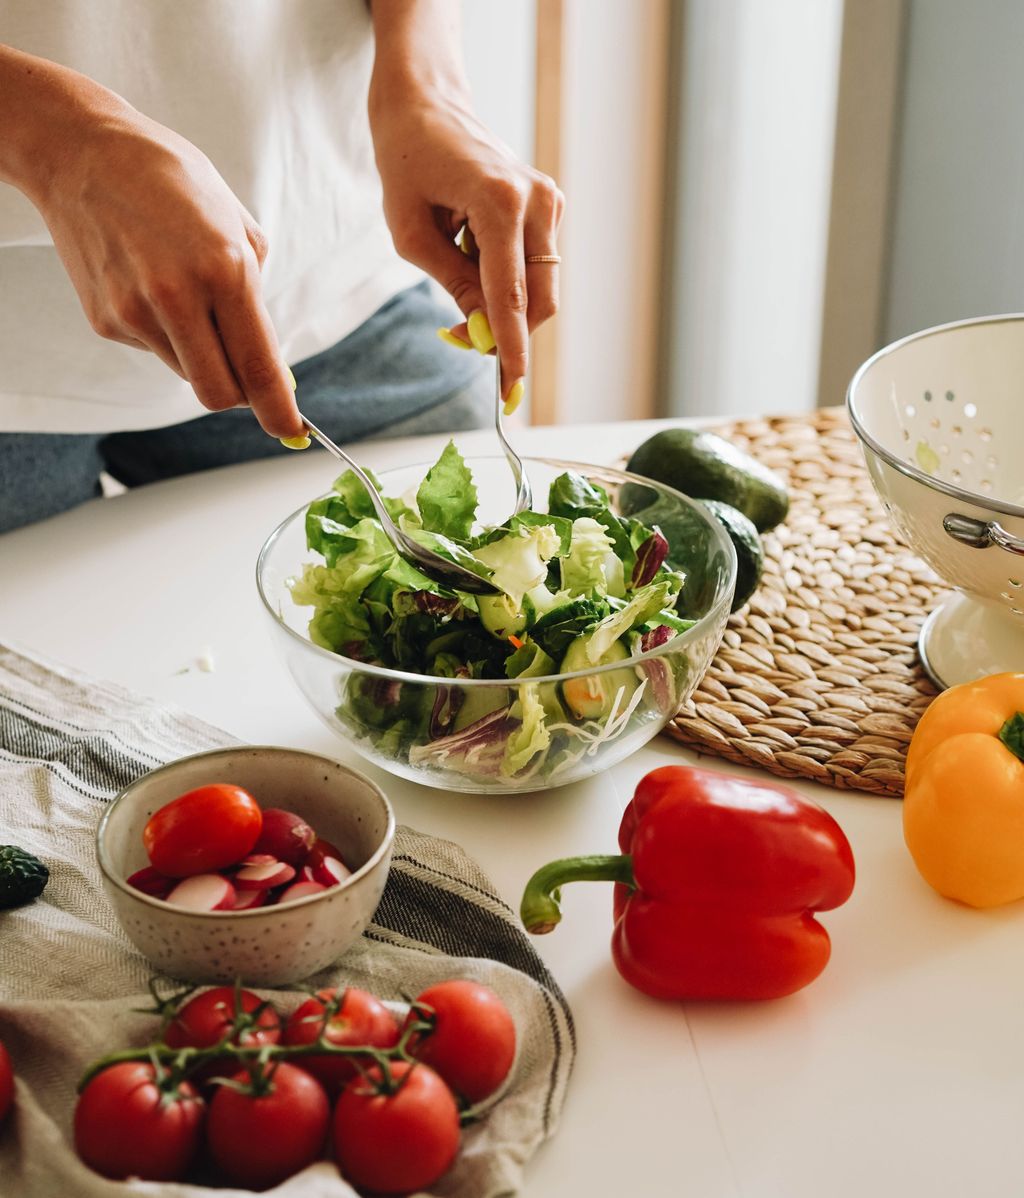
{"type": "Point", "coordinates": [761, 192]}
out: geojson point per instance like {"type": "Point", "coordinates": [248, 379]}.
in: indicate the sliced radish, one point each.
{"type": "Point", "coordinates": [150, 881]}
{"type": "Point", "coordinates": [264, 876]}
{"type": "Point", "coordinates": [330, 871]}
{"type": "Point", "coordinates": [259, 859]}
{"type": "Point", "coordinates": [299, 890]}
{"type": "Point", "coordinates": [203, 892]}
{"type": "Point", "coordinates": [306, 874]}
{"type": "Point", "coordinates": [244, 899]}
{"type": "Point", "coordinates": [286, 836]}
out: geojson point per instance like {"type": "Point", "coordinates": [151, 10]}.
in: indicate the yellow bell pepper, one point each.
{"type": "Point", "coordinates": [963, 805]}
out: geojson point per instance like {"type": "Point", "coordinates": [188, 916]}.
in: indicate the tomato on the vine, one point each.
{"type": "Point", "coordinates": [6, 1083]}
{"type": "Point", "coordinates": [399, 1141]}
{"type": "Point", "coordinates": [203, 830]}
{"type": "Point", "coordinates": [259, 1139]}
{"type": "Point", "coordinates": [206, 1019]}
{"type": "Point", "coordinates": [472, 1041]}
{"type": "Point", "coordinates": [125, 1126]}
{"type": "Point", "coordinates": [360, 1019]}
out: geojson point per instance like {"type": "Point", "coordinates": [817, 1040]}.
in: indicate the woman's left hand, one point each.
{"type": "Point", "coordinates": [442, 169]}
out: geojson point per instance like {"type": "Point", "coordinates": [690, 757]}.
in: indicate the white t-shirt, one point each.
{"type": "Point", "coordinates": [274, 92]}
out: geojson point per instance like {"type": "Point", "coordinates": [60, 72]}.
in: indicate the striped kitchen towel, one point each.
{"type": "Point", "coordinates": [69, 978]}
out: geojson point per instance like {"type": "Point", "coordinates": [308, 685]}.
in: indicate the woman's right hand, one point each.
{"type": "Point", "coordinates": [161, 252]}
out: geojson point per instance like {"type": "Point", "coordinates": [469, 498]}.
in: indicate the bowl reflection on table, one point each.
{"type": "Point", "coordinates": [386, 714]}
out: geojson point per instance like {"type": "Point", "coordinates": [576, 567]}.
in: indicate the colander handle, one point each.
{"type": "Point", "coordinates": [980, 534]}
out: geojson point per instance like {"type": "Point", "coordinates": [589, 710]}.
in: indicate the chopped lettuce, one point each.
{"type": "Point", "coordinates": [519, 560]}
{"type": "Point", "coordinates": [447, 497]}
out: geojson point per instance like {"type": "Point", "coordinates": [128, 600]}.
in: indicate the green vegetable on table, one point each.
{"type": "Point", "coordinates": [705, 466]}
{"type": "Point", "coordinates": [580, 586]}
{"type": "Point", "coordinates": [22, 876]}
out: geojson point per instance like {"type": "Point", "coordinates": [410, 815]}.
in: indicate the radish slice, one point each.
{"type": "Point", "coordinates": [204, 892]}
{"type": "Point", "coordinates": [264, 876]}
{"type": "Point", "coordinates": [286, 836]}
{"type": "Point", "coordinates": [330, 871]}
{"type": "Point", "coordinates": [300, 890]}
{"type": "Point", "coordinates": [259, 859]}
{"type": "Point", "coordinates": [244, 899]}
{"type": "Point", "coordinates": [306, 874]}
{"type": "Point", "coordinates": [150, 881]}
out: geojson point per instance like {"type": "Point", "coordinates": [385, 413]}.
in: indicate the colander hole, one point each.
{"type": "Point", "coordinates": [1016, 611]}
{"type": "Point", "coordinates": [967, 457]}
{"type": "Point", "coordinates": [936, 423]}
{"type": "Point", "coordinates": [910, 410]}
{"type": "Point", "coordinates": [985, 434]}
{"type": "Point", "coordinates": [950, 396]}
{"type": "Point", "coordinates": [986, 486]}
{"type": "Point", "coordinates": [928, 396]}
{"type": "Point", "coordinates": [906, 434]}
{"type": "Point", "coordinates": [1004, 595]}
{"type": "Point", "coordinates": [1013, 582]}
{"type": "Point", "coordinates": [955, 476]}
{"type": "Point", "coordinates": [970, 410]}
{"type": "Point", "coordinates": [956, 430]}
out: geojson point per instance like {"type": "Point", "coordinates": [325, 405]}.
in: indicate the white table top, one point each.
{"type": "Point", "coordinates": [899, 1072]}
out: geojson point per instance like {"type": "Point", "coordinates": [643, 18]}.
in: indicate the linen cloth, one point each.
{"type": "Point", "coordinates": [70, 979]}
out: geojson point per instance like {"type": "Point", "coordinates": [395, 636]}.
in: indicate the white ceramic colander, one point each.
{"type": "Point", "coordinates": [940, 415]}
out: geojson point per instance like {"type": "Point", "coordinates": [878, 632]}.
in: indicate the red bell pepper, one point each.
{"type": "Point", "coordinates": [716, 889]}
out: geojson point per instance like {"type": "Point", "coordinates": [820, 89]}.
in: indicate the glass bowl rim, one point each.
{"type": "Point", "coordinates": [723, 597]}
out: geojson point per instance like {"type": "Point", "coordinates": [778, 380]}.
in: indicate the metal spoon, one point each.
{"type": "Point", "coordinates": [436, 567]}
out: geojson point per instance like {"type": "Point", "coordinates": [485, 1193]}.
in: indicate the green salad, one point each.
{"type": "Point", "coordinates": [579, 587]}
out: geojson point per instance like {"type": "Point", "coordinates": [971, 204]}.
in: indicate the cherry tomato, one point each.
{"type": "Point", "coordinates": [258, 1141]}
{"type": "Point", "coordinates": [6, 1083]}
{"type": "Point", "coordinates": [400, 1142]}
{"type": "Point", "coordinates": [473, 1040]}
{"type": "Point", "coordinates": [207, 1018]}
{"type": "Point", "coordinates": [203, 830]}
{"type": "Point", "coordinates": [361, 1019]}
{"type": "Point", "coordinates": [125, 1126]}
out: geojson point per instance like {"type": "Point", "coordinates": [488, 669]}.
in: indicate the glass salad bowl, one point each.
{"type": "Point", "coordinates": [545, 727]}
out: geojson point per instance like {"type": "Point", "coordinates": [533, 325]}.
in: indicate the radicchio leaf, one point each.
{"type": "Point", "coordinates": [447, 701]}
{"type": "Point", "coordinates": [649, 558]}
{"type": "Point", "coordinates": [655, 637]}
{"type": "Point", "coordinates": [478, 750]}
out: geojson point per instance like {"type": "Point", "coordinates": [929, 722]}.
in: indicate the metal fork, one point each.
{"type": "Point", "coordinates": [524, 493]}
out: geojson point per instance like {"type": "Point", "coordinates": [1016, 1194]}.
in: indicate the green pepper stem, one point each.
{"type": "Point", "coordinates": [1012, 734]}
{"type": "Point", "coordinates": [540, 910]}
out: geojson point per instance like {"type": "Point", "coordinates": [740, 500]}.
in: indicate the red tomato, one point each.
{"type": "Point", "coordinates": [361, 1019]}
{"type": "Point", "coordinates": [473, 1041]}
{"type": "Point", "coordinates": [203, 830]}
{"type": "Point", "coordinates": [6, 1083]}
{"type": "Point", "coordinates": [259, 1141]}
{"type": "Point", "coordinates": [205, 1019]}
{"type": "Point", "coordinates": [125, 1126]}
{"type": "Point", "coordinates": [399, 1142]}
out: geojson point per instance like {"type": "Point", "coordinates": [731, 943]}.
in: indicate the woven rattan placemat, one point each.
{"type": "Point", "coordinates": [818, 676]}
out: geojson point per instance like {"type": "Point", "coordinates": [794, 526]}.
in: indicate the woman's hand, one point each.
{"type": "Point", "coordinates": [442, 169]}
{"type": "Point", "coordinates": [161, 252]}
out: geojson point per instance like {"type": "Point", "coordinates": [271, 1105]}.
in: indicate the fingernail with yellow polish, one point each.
{"type": "Point", "coordinates": [480, 332]}
{"type": "Point", "coordinates": [514, 397]}
{"type": "Point", "coordinates": [449, 338]}
{"type": "Point", "coordinates": [291, 378]}
{"type": "Point", "coordinates": [295, 442]}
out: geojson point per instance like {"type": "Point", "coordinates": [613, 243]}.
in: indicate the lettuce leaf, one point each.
{"type": "Point", "coordinates": [532, 735]}
{"type": "Point", "coordinates": [447, 497]}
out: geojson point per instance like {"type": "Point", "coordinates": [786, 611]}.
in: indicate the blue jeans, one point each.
{"type": "Point", "coordinates": [391, 377]}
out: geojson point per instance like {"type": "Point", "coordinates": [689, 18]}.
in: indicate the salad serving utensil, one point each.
{"type": "Point", "coordinates": [524, 493]}
{"type": "Point", "coordinates": [436, 567]}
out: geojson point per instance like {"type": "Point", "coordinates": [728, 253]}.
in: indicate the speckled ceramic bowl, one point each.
{"type": "Point", "coordinates": [267, 946]}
